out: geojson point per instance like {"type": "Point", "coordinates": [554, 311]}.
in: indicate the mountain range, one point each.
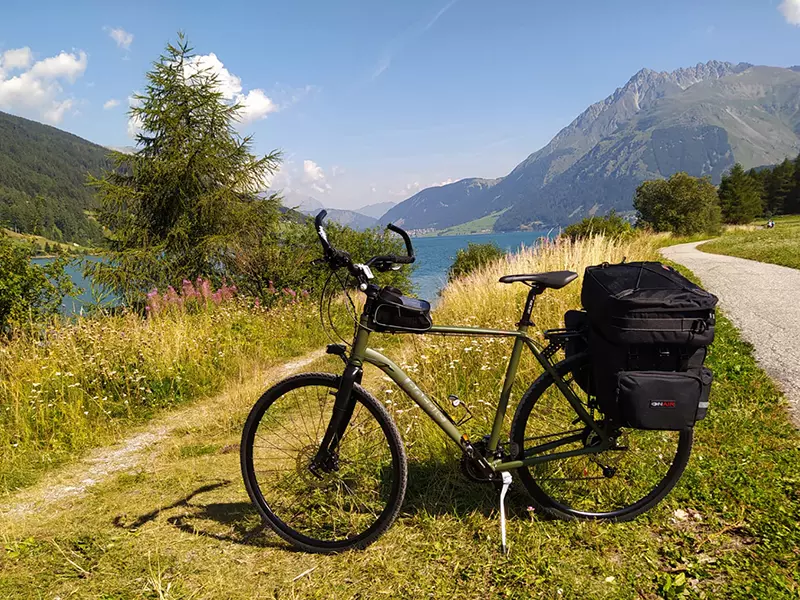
{"type": "Point", "coordinates": [699, 120]}
{"type": "Point", "coordinates": [359, 219]}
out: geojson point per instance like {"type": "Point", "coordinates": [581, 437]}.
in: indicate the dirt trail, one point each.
{"type": "Point", "coordinates": [762, 301]}
{"type": "Point", "coordinates": [75, 479]}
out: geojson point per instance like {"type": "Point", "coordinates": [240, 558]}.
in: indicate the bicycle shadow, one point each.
{"type": "Point", "coordinates": [234, 522]}
{"type": "Point", "coordinates": [434, 488]}
{"type": "Point", "coordinates": [440, 488]}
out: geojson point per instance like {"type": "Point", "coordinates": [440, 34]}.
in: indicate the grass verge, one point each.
{"type": "Point", "coordinates": [780, 246]}
{"type": "Point", "coordinates": [181, 526]}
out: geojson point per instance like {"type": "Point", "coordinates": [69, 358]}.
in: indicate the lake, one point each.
{"type": "Point", "coordinates": [74, 269]}
{"type": "Point", "coordinates": [436, 254]}
{"type": "Point", "coordinates": [434, 257]}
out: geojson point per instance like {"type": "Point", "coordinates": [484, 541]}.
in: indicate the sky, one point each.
{"type": "Point", "coordinates": [371, 101]}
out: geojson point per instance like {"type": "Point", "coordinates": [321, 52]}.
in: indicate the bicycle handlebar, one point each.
{"type": "Point", "coordinates": [338, 258]}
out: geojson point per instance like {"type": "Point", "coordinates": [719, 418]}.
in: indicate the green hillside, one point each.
{"type": "Point", "coordinates": [43, 180]}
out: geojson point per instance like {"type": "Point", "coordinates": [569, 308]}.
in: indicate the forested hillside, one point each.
{"type": "Point", "coordinates": [43, 180]}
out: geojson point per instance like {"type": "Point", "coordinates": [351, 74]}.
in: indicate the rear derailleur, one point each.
{"type": "Point", "coordinates": [609, 461]}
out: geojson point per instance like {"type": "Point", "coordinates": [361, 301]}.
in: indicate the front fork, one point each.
{"type": "Point", "coordinates": [327, 457]}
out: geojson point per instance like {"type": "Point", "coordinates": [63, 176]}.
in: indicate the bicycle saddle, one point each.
{"type": "Point", "coordinates": [554, 279]}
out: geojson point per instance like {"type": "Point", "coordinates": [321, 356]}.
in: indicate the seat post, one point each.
{"type": "Point", "coordinates": [525, 321]}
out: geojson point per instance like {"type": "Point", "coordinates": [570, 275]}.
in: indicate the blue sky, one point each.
{"type": "Point", "coordinates": [372, 100]}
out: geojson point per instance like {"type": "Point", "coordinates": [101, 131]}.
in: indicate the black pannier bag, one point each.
{"type": "Point", "coordinates": [663, 400]}
{"type": "Point", "coordinates": [578, 320]}
{"type": "Point", "coordinates": [649, 328]}
{"type": "Point", "coordinates": [647, 303]}
{"type": "Point", "coordinates": [394, 312]}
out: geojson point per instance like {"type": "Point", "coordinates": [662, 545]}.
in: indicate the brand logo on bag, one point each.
{"type": "Point", "coordinates": [662, 404]}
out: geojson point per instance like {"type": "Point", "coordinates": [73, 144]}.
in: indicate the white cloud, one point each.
{"type": "Point", "coordinates": [314, 176]}
{"type": "Point", "coordinates": [121, 37]}
{"type": "Point", "coordinates": [20, 58]}
{"type": "Point", "coordinates": [308, 181]}
{"type": "Point", "coordinates": [791, 11]}
{"type": "Point", "coordinates": [229, 84]}
{"type": "Point", "coordinates": [254, 104]}
{"type": "Point", "coordinates": [406, 37]}
{"type": "Point", "coordinates": [409, 190]}
{"type": "Point", "coordinates": [312, 171]}
{"type": "Point", "coordinates": [109, 104]}
{"type": "Point", "coordinates": [38, 92]}
{"type": "Point", "coordinates": [135, 122]}
{"type": "Point", "coordinates": [64, 66]}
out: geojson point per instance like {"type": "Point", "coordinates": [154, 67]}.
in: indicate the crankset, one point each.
{"type": "Point", "coordinates": [471, 468]}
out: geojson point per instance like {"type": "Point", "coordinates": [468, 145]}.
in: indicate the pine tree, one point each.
{"type": "Point", "coordinates": [186, 203]}
{"type": "Point", "coordinates": [779, 186]}
{"type": "Point", "coordinates": [793, 201]}
{"type": "Point", "coordinates": [739, 197]}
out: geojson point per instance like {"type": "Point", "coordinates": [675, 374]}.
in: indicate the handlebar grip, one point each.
{"type": "Point", "coordinates": [403, 260]}
{"type": "Point", "coordinates": [323, 237]}
{"type": "Point", "coordinates": [406, 239]}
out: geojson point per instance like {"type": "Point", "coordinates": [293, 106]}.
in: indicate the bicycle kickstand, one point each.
{"type": "Point", "coordinates": [506, 483]}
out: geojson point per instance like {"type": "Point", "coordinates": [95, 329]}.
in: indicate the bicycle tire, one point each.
{"type": "Point", "coordinates": [545, 501]}
{"type": "Point", "coordinates": [399, 464]}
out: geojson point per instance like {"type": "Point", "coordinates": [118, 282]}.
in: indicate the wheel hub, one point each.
{"type": "Point", "coordinates": [312, 472]}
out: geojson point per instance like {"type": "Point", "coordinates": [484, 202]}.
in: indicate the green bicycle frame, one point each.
{"type": "Point", "coordinates": [361, 354]}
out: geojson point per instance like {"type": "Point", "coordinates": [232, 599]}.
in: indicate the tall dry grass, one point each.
{"type": "Point", "coordinates": [474, 368]}
{"type": "Point", "coordinates": [86, 381]}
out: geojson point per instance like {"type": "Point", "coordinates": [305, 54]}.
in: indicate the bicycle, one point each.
{"type": "Point", "coordinates": [325, 465]}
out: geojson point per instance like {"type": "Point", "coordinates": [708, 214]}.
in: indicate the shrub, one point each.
{"type": "Point", "coordinates": [283, 260]}
{"type": "Point", "coordinates": [681, 204]}
{"type": "Point", "coordinates": [29, 293]}
{"type": "Point", "coordinates": [473, 257]}
{"type": "Point", "coordinates": [611, 226]}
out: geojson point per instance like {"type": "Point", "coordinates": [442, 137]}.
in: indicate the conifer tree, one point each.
{"type": "Point", "coordinates": [186, 203]}
{"type": "Point", "coordinates": [739, 197]}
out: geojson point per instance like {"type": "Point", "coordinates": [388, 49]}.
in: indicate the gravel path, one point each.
{"type": "Point", "coordinates": [76, 479]}
{"type": "Point", "coordinates": [763, 301]}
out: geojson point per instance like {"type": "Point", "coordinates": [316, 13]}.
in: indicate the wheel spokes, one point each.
{"type": "Point", "coordinates": [335, 505]}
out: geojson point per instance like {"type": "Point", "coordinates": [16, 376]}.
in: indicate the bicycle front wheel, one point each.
{"type": "Point", "coordinates": [618, 484]}
{"type": "Point", "coordinates": [346, 508]}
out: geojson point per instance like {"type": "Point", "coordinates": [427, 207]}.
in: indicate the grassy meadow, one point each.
{"type": "Point", "coordinates": [84, 382]}
{"type": "Point", "coordinates": [180, 525]}
{"type": "Point", "coordinates": [780, 245]}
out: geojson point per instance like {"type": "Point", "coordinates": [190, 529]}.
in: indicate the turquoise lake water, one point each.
{"type": "Point", "coordinates": [436, 254]}
{"type": "Point", "coordinates": [434, 257]}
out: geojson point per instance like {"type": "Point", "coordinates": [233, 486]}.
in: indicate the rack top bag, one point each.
{"type": "Point", "coordinates": [647, 303]}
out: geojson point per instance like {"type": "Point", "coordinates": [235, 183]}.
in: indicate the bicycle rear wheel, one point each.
{"type": "Point", "coordinates": [618, 484]}
{"type": "Point", "coordinates": [346, 508]}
